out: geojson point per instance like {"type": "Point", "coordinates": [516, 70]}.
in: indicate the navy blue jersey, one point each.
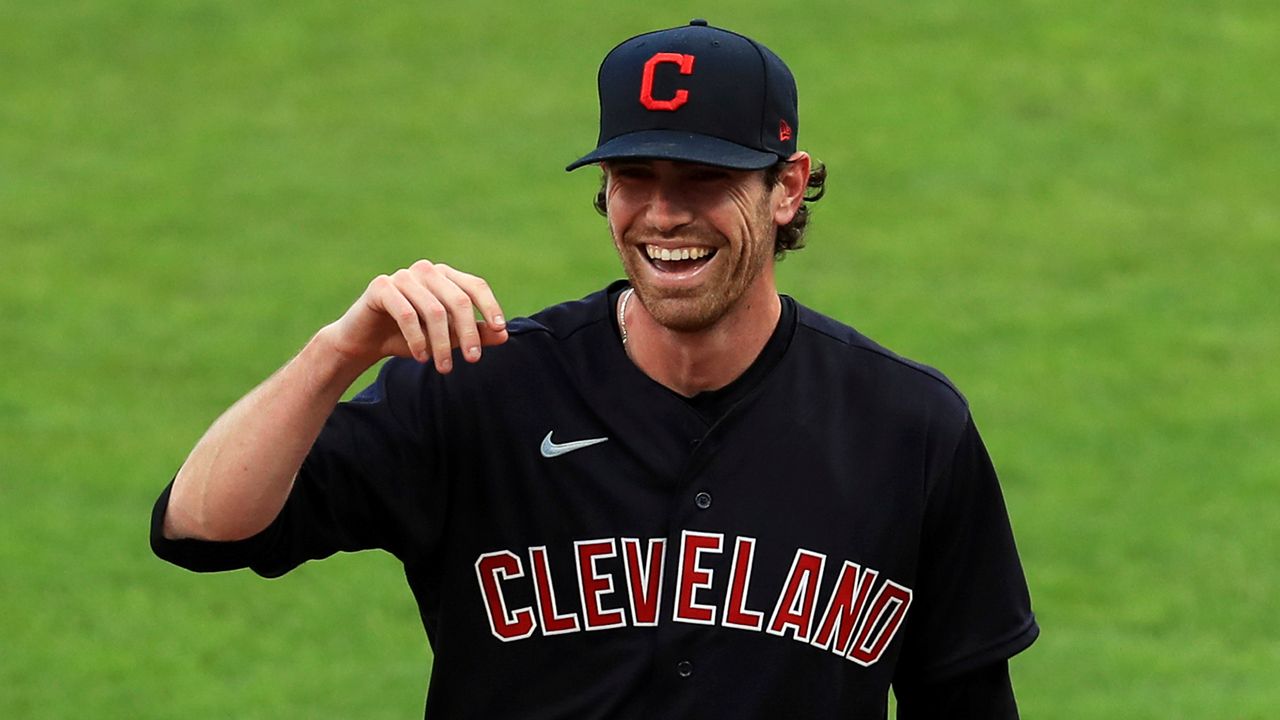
{"type": "Point", "coordinates": [583, 542]}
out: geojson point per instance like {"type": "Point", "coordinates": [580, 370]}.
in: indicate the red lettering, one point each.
{"type": "Point", "coordinates": [856, 624]}
{"type": "Point", "coordinates": [845, 608]}
{"type": "Point", "coordinates": [692, 577]}
{"type": "Point", "coordinates": [872, 642]}
{"type": "Point", "coordinates": [646, 81]}
{"type": "Point", "coordinates": [644, 578]}
{"type": "Point", "coordinates": [795, 604]}
{"type": "Point", "coordinates": [592, 585]}
{"type": "Point", "coordinates": [736, 613]}
{"type": "Point", "coordinates": [506, 625]}
{"type": "Point", "coordinates": [553, 623]}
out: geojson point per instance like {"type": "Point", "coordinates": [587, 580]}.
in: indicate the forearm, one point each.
{"type": "Point", "coordinates": [239, 474]}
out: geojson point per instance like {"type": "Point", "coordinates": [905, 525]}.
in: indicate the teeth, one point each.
{"type": "Point", "coordinates": [684, 253]}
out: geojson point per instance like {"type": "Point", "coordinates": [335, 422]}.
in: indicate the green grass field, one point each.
{"type": "Point", "coordinates": [1070, 208]}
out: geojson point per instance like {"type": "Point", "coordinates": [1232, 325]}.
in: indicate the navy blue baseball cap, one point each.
{"type": "Point", "coordinates": [695, 93]}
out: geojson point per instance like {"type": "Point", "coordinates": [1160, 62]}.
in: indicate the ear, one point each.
{"type": "Point", "coordinates": [789, 192]}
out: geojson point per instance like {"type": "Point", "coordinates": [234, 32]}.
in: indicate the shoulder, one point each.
{"type": "Point", "coordinates": [532, 336]}
{"type": "Point", "coordinates": [555, 340]}
{"type": "Point", "coordinates": [861, 367]}
{"type": "Point", "coordinates": [564, 320]}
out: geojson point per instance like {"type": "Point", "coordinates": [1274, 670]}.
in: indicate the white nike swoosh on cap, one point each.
{"type": "Point", "coordinates": [551, 449]}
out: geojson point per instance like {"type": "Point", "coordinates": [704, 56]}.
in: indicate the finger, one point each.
{"type": "Point", "coordinates": [431, 314]}
{"type": "Point", "coordinates": [477, 288]}
{"type": "Point", "coordinates": [395, 304]}
{"type": "Point", "coordinates": [490, 335]}
{"type": "Point", "coordinates": [462, 318]}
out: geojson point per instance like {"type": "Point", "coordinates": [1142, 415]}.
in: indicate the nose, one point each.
{"type": "Point", "coordinates": [668, 209]}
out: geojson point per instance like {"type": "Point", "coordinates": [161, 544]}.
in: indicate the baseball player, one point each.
{"type": "Point", "coordinates": [682, 496]}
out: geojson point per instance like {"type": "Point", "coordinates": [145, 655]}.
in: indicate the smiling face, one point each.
{"type": "Point", "coordinates": [694, 239]}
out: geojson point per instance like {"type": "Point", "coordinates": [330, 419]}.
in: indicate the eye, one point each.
{"type": "Point", "coordinates": [630, 172]}
{"type": "Point", "coordinates": [708, 175]}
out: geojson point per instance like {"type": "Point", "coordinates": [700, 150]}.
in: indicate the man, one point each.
{"type": "Point", "coordinates": [682, 496]}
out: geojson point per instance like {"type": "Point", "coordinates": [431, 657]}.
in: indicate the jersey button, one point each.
{"type": "Point", "coordinates": [684, 668]}
{"type": "Point", "coordinates": [694, 443]}
{"type": "Point", "coordinates": [702, 500]}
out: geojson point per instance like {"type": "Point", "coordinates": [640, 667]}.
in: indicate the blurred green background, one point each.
{"type": "Point", "coordinates": [1070, 208]}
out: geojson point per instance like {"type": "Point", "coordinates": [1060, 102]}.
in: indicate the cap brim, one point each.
{"type": "Point", "coordinates": [678, 145]}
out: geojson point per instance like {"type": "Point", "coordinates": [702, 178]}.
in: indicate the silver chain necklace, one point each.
{"type": "Point", "coordinates": [622, 313]}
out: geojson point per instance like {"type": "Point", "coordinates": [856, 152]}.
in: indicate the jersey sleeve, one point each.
{"type": "Point", "coordinates": [371, 480]}
{"type": "Point", "coordinates": [983, 692]}
{"type": "Point", "coordinates": [971, 606]}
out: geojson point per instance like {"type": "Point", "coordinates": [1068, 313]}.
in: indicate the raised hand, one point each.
{"type": "Point", "coordinates": [422, 311]}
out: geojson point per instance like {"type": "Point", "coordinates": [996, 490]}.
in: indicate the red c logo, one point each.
{"type": "Point", "coordinates": [646, 83]}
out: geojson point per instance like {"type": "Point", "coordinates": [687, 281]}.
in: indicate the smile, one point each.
{"type": "Point", "coordinates": [683, 253]}
{"type": "Point", "coordinates": [678, 262]}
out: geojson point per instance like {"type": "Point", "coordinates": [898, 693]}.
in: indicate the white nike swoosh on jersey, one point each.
{"type": "Point", "coordinates": [550, 449]}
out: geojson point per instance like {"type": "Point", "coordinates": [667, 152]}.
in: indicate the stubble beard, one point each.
{"type": "Point", "coordinates": [700, 308]}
